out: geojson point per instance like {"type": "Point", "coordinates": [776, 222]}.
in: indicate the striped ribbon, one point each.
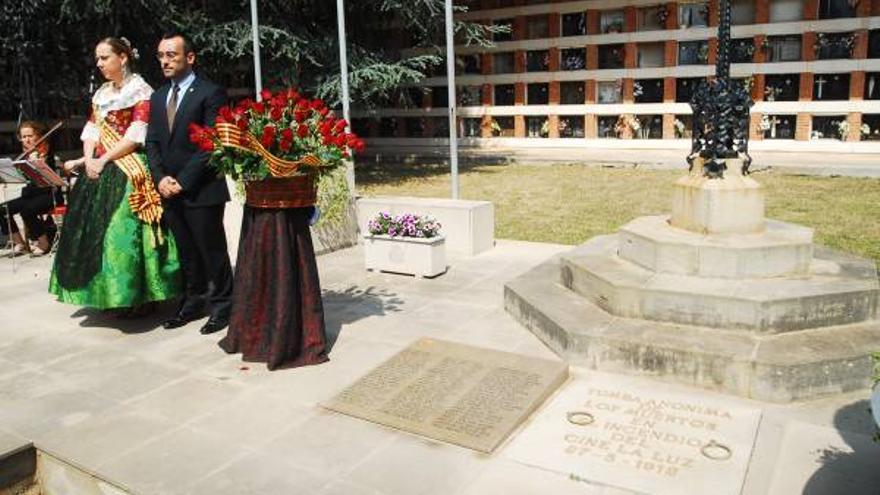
{"type": "Point", "coordinates": [233, 137]}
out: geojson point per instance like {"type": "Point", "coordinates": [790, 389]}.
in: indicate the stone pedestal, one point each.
{"type": "Point", "coordinates": [714, 296]}
{"type": "Point", "coordinates": [732, 205]}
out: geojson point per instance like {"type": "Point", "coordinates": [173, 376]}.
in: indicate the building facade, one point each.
{"type": "Point", "coordinates": [621, 72]}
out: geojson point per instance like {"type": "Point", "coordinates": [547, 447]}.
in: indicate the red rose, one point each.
{"type": "Point", "coordinates": [284, 145]}
{"type": "Point", "coordinates": [340, 125]}
{"type": "Point", "coordinates": [302, 130]}
{"type": "Point", "coordinates": [245, 104]}
{"type": "Point", "coordinates": [316, 104]}
{"type": "Point", "coordinates": [328, 140]}
{"type": "Point", "coordinates": [226, 114]}
{"type": "Point", "coordinates": [292, 94]}
{"type": "Point", "coordinates": [275, 113]}
{"type": "Point", "coordinates": [242, 124]}
{"type": "Point", "coordinates": [266, 94]}
{"type": "Point", "coordinates": [268, 137]}
{"type": "Point", "coordinates": [259, 108]}
{"type": "Point", "coordinates": [359, 145]}
{"type": "Point", "coordinates": [324, 128]}
{"type": "Point", "coordinates": [324, 111]}
{"type": "Point", "coordinates": [287, 134]}
{"type": "Point", "coordinates": [339, 141]}
{"type": "Point", "coordinates": [206, 145]}
{"type": "Point", "coordinates": [299, 116]}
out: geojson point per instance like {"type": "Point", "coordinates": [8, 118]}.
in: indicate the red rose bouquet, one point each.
{"type": "Point", "coordinates": [284, 135]}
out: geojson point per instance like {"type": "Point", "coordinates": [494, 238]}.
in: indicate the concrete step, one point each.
{"type": "Point", "coordinates": [841, 289]}
{"type": "Point", "coordinates": [777, 368]}
{"type": "Point", "coordinates": [780, 249]}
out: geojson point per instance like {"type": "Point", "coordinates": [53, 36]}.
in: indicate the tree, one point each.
{"type": "Point", "coordinates": [47, 45]}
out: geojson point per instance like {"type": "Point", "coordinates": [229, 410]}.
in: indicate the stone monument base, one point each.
{"type": "Point", "coordinates": [774, 367]}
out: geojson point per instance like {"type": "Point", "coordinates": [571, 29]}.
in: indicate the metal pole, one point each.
{"type": "Point", "coordinates": [343, 76]}
{"type": "Point", "coordinates": [255, 32]}
{"type": "Point", "coordinates": [450, 86]}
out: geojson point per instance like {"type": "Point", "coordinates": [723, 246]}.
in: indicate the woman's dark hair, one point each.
{"type": "Point", "coordinates": [121, 46]}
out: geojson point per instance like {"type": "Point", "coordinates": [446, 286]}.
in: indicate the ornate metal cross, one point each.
{"type": "Point", "coordinates": [721, 111]}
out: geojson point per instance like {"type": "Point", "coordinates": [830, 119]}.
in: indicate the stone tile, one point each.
{"type": "Point", "coordinates": [260, 474]}
{"type": "Point", "coordinates": [256, 418]}
{"type": "Point", "coordinates": [430, 467]}
{"type": "Point", "coordinates": [172, 463]}
{"type": "Point", "coordinates": [47, 407]}
{"type": "Point", "coordinates": [187, 399]}
{"type": "Point", "coordinates": [329, 442]}
{"type": "Point", "coordinates": [511, 478]}
{"type": "Point", "coordinates": [41, 349]}
{"type": "Point", "coordinates": [343, 488]}
{"type": "Point", "coordinates": [818, 460]}
{"type": "Point", "coordinates": [104, 437]}
{"type": "Point", "coordinates": [10, 442]}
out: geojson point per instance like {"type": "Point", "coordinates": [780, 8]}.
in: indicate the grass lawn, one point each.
{"type": "Point", "coordinates": [568, 204]}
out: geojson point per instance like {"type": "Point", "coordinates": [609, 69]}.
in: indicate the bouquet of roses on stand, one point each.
{"type": "Point", "coordinates": [278, 147]}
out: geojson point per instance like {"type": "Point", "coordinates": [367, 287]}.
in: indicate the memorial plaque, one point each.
{"type": "Point", "coordinates": [618, 432]}
{"type": "Point", "coordinates": [469, 396]}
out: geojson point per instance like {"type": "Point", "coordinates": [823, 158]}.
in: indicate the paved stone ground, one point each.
{"type": "Point", "coordinates": [167, 412]}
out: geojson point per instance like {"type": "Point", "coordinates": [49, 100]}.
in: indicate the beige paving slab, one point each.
{"type": "Point", "coordinates": [188, 398]}
{"type": "Point", "coordinates": [257, 473]}
{"type": "Point", "coordinates": [817, 460]}
{"type": "Point", "coordinates": [511, 478]}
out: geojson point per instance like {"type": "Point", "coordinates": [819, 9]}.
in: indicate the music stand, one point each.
{"type": "Point", "coordinates": [10, 174]}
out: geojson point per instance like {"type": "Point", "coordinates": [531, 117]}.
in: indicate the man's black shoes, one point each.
{"type": "Point", "coordinates": [179, 320]}
{"type": "Point", "coordinates": [213, 325]}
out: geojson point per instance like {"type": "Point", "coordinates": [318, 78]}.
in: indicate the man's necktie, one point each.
{"type": "Point", "coordinates": [172, 105]}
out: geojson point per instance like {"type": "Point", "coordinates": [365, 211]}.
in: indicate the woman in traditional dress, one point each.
{"type": "Point", "coordinates": [34, 201]}
{"type": "Point", "coordinates": [113, 252]}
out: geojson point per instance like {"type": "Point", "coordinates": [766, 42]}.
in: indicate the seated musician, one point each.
{"type": "Point", "coordinates": [34, 202]}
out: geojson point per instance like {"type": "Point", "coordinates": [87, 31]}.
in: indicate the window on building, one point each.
{"type": "Point", "coordinates": [831, 87]}
{"type": "Point", "coordinates": [388, 127]}
{"type": "Point", "coordinates": [571, 126]}
{"type": "Point", "coordinates": [872, 86]}
{"type": "Point", "coordinates": [537, 94]}
{"type": "Point", "coordinates": [537, 26]}
{"type": "Point", "coordinates": [835, 9]}
{"type": "Point", "coordinates": [503, 62]}
{"type": "Point", "coordinates": [782, 48]}
{"type": "Point", "coordinates": [650, 127]}
{"type": "Point", "coordinates": [609, 91]}
{"type": "Point", "coordinates": [782, 87]}
{"type": "Point", "coordinates": [469, 64]}
{"type": "Point", "coordinates": [827, 127]}
{"type": "Point", "coordinates": [834, 45]}
{"type": "Point", "coordinates": [611, 21]}
{"type": "Point", "coordinates": [693, 52]}
{"type": "Point", "coordinates": [871, 127]}
{"type": "Point", "coordinates": [537, 61]}
{"type": "Point", "coordinates": [571, 93]}
{"type": "Point", "coordinates": [651, 55]}
{"type": "Point", "coordinates": [683, 126]}
{"type": "Point", "coordinates": [648, 90]}
{"type": "Point", "coordinates": [693, 14]}
{"type": "Point", "coordinates": [685, 87]}
{"type": "Point", "coordinates": [652, 18]}
{"type": "Point", "coordinates": [470, 96]}
{"type": "Point", "coordinates": [742, 12]}
{"type": "Point", "coordinates": [743, 49]}
{"type": "Point", "coordinates": [537, 126]}
{"type": "Point", "coordinates": [506, 35]}
{"type": "Point", "coordinates": [439, 97]}
{"type": "Point", "coordinates": [778, 126]}
{"type": "Point", "coordinates": [611, 56]}
{"type": "Point", "coordinates": [606, 125]}
{"type": "Point", "coordinates": [440, 126]}
{"type": "Point", "coordinates": [874, 43]}
{"type": "Point", "coordinates": [504, 95]}
{"type": "Point", "coordinates": [414, 97]}
{"type": "Point", "coordinates": [786, 10]}
{"type": "Point", "coordinates": [471, 127]}
{"type": "Point", "coordinates": [414, 126]}
{"type": "Point", "coordinates": [574, 24]}
{"type": "Point", "coordinates": [504, 127]}
{"type": "Point", "coordinates": [361, 127]}
{"type": "Point", "coordinates": [573, 59]}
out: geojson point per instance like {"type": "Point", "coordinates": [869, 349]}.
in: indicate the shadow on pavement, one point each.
{"type": "Point", "coordinates": [97, 318]}
{"type": "Point", "coordinates": [346, 306]}
{"type": "Point", "coordinates": [852, 473]}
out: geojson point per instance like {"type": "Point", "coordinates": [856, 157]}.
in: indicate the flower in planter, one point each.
{"type": "Point", "coordinates": [404, 225]}
{"type": "Point", "coordinates": [283, 135]}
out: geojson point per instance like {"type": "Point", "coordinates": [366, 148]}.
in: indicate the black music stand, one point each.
{"type": "Point", "coordinates": [10, 174]}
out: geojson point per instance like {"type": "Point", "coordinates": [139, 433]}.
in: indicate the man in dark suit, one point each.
{"type": "Point", "coordinates": [194, 195]}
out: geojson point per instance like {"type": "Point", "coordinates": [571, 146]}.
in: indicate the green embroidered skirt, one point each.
{"type": "Point", "coordinates": [108, 258]}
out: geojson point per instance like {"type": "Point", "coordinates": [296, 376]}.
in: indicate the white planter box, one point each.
{"type": "Point", "coordinates": [412, 255]}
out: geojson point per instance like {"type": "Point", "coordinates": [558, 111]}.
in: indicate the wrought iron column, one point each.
{"type": "Point", "coordinates": [721, 111]}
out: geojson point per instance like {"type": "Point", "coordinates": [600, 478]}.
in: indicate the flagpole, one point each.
{"type": "Point", "coordinates": [450, 86]}
{"type": "Point", "coordinates": [255, 32]}
{"type": "Point", "coordinates": [343, 76]}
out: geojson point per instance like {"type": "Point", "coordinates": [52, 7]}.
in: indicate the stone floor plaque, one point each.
{"type": "Point", "coordinates": [622, 433]}
{"type": "Point", "coordinates": [465, 395]}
